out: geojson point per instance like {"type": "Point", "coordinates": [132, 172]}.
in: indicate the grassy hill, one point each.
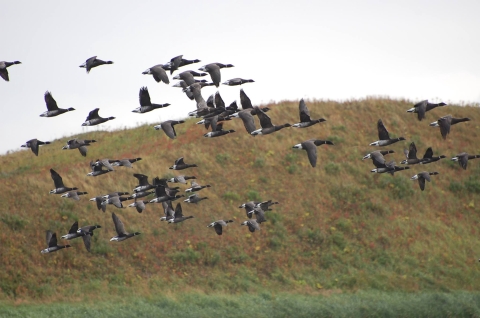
{"type": "Point", "coordinates": [338, 226]}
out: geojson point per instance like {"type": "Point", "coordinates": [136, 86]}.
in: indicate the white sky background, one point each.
{"type": "Point", "coordinates": [292, 49]}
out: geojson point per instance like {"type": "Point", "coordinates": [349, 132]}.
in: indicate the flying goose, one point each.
{"type": "Point", "coordinates": [180, 165]}
{"type": "Point", "coordinates": [422, 176]}
{"type": "Point", "coordinates": [445, 122]}
{"type": "Point", "coordinates": [176, 62]}
{"type": "Point", "coordinates": [73, 195]}
{"type": "Point", "coordinates": [265, 205]}
{"type": "Point", "coordinates": [218, 131]}
{"type": "Point", "coordinates": [141, 194]}
{"type": "Point", "coordinates": [85, 232]}
{"type": "Point", "coordinates": [218, 225]}
{"type": "Point", "coordinates": [422, 107]}
{"type": "Point", "coordinates": [429, 158]}
{"type": "Point", "coordinates": [259, 215]}
{"type": "Point", "coordinates": [3, 69]}
{"type": "Point", "coordinates": [116, 201]}
{"type": "Point", "coordinates": [382, 152]}
{"type": "Point", "coordinates": [247, 119]}
{"type": "Point", "coordinates": [178, 217]}
{"type": "Point", "coordinates": [194, 198]}
{"type": "Point", "coordinates": [93, 62]}
{"type": "Point", "coordinates": [125, 162]}
{"type": "Point", "coordinates": [168, 211]}
{"type": "Point", "coordinates": [411, 155]}
{"type": "Point", "coordinates": [305, 120]}
{"type": "Point", "coordinates": [98, 200]}
{"type": "Point", "coordinates": [122, 235]}
{"type": "Point", "coordinates": [146, 104]}
{"type": "Point", "coordinates": [252, 225]}
{"type": "Point", "coordinates": [33, 144]}
{"type": "Point", "coordinates": [311, 147]}
{"type": "Point", "coordinates": [266, 123]}
{"type": "Point", "coordinates": [97, 169]}
{"type": "Point", "coordinates": [114, 194]}
{"type": "Point", "coordinates": [59, 187]}
{"type": "Point", "coordinates": [80, 144]}
{"type": "Point", "coordinates": [94, 119]}
{"type": "Point", "coordinates": [196, 187]}
{"type": "Point", "coordinates": [52, 243]}
{"type": "Point", "coordinates": [383, 136]}
{"type": "Point", "coordinates": [158, 73]}
{"type": "Point", "coordinates": [139, 205]}
{"type": "Point", "coordinates": [52, 108]}
{"type": "Point", "coordinates": [184, 85]}
{"type": "Point", "coordinates": [188, 77]}
{"type": "Point", "coordinates": [389, 168]}
{"type": "Point", "coordinates": [463, 158]}
{"type": "Point", "coordinates": [143, 184]}
{"type": "Point", "coordinates": [163, 193]}
{"type": "Point", "coordinates": [167, 127]}
{"type": "Point", "coordinates": [237, 81]}
{"type": "Point", "coordinates": [214, 70]}
{"type": "Point", "coordinates": [181, 179]}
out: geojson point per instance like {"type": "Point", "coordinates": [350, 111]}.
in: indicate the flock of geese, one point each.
{"type": "Point", "coordinates": [214, 114]}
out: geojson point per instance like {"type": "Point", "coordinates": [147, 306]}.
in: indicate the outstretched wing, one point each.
{"type": "Point", "coordinates": [304, 112]}
{"type": "Point", "coordinates": [144, 97]}
{"type": "Point", "coordinates": [57, 180]}
{"type": "Point", "coordinates": [382, 131]}
{"type": "Point", "coordinates": [118, 225]}
{"type": "Point", "coordinates": [51, 103]}
{"type": "Point", "coordinates": [93, 114]}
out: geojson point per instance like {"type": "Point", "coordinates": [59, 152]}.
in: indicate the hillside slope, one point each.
{"type": "Point", "coordinates": [338, 226]}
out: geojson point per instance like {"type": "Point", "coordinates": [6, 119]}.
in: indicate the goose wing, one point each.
{"type": "Point", "coordinates": [93, 114]}
{"type": "Point", "coordinates": [119, 227]}
{"type": "Point", "coordinates": [144, 97]}
{"type": "Point", "coordinates": [265, 120]}
{"type": "Point", "coordinates": [57, 179]}
{"type": "Point", "coordinates": [245, 100]}
{"type": "Point", "coordinates": [304, 112]}
{"type": "Point", "coordinates": [51, 103]}
{"type": "Point", "coordinates": [382, 131]}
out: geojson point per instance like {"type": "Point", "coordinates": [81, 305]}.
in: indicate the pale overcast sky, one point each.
{"type": "Point", "coordinates": [292, 49]}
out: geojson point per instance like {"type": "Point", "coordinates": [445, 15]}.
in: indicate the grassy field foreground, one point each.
{"type": "Point", "coordinates": [362, 304]}
{"type": "Point", "coordinates": [338, 226]}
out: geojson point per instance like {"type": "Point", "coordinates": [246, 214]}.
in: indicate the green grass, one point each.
{"type": "Point", "coordinates": [338, 225]}
{"type": "Point", "coordinates": [265, 304]}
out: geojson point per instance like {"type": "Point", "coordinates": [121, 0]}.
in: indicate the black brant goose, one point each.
{"type": "Point", "coordinates": [94, 62]}
{"type": "Point", "coordinates": [145, 102]}
{"type": "Point", "coordinates": [52, 108]}
{"type": "Point", "coordinates": [80, 144]}
{"type": "Point", "coordinates": [305, 120]}
{"type": "Point", "coordinates": [122, 235]}
{"type": "Point", "coordinates": [214, 70]}
{"type": "Point", "coordinates": [34, 144]}
{"type": "Point", "coordinates": [178, 216]}
{"type": "Point", "coordinates": [125, 162]}
{"type": "Point", "coordinates": [266, 123]}
{"type": "Point", "coordinates": [181, 179]}
{"type": "Point", "coordinates": [445, 122]}
{"type": "Point", "coordinates": [218, 225]}
{"type": "Point", "coordinates": [59, 187]}
{"type": "Point", "coordinates": [3, 69]}
{"type": "Point", "coordinates": [218, 131]}
{"type": "Point", "coordinates": [158, 73]}
{"type": "Point", "coordinates": [85, 232]}
{"type": "Point", "coordinates": [180, 165]}
{"type": "Point", "coordinates": [52, 243]}
{"type": "Point", "coordinates": [463, 158]}
{"type": "Point", "coordinates": [194, 198]}
{"type": "Point", "coordinates": [176, 62]}
{"type": "Point", "coordinates": [422, 107]}
{"type": "Point", "coordinates": [411, 155]}
{"type": "Point", "coordinates": [311, 147]}
{"type": "Point", "coordinates": [237, 81]}
{"type": "Point", "coordinates": [168, 129]}
{"type": "Point", "coordinates": [382, 152]}
{"type": "Point", "coordinates": [73, 195]}
{"type": "Point", "coordinates": [422, 176]}
{"type": "Point", "coordinates": [383, 136]}
{"type": "Point", "coordinates": [429, 158]}
{"type": "Point", "coordinates": [252, 225]}
{"type": "Point", "coordinates": [196, 187]}
{"type": "Point", "coordinates": [94, 119]}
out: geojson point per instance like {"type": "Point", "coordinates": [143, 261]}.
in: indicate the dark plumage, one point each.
{"type": "Point", "coordinates": [194, 198]}
{"type": "Point", "coordinates": [125, 162]}
{"type": "Point", "coordinates": [176, 62]}
{"type": "Point", "coordinates": [52, 108]}
{"type": "Point", "coordinates": [52, 243]}
{"type": "Point", "coordinates": [3, 69]}
{"type": "Point", "coordinates": [168, 129]}
{"type": "Point", "coordinates": [305, 120]}
{"type": "Point", "coordinates": [178, 217]}
{"type": "Point", "coordinates": [463, 158]}
{"type": "Point", "coordinates": [422, 107]}
{"type": "Point", "coordinates": [237, 81]}
{"type": "Point", "coordinates": [429, 158]}
{"type": "Point", "coordinates": [145, 102]}
{"type": "Point", "coordinates": [80, 144]}
{"type": "Point", "coordinates": [158, 73]}
{"type": "Point", "coordinates": [94, 119]}
{"type": "Point", "coordinates": [218, 225]}
{"type": "Point", "coordinates": [311, 147]}
{"type": "Point", "coordinates": [252, 225]}
{"type": "Point", "coordinates": [266, 123]}
{"type": "Point", "coordinates": [218, 131]}
{"type": "Point", "coordinates": [446, 122]}
{"type": "Point", "coordinates": [214, 70]}
{"type": "Point", "coordinates": [384, 136]}
{"type": "Point", "coordinates": [421, 177]}
{"type": "Point", "coordinates": [122, 235]}
{"type": "Point", "coordinates": [33, 144]}
{"type": "Point", "coordinates": [411, 155]}
{"type": "Point", "coordinates": [382, 152]}
{"type": "Point", "coordinates": [59, 187]}
{"type": "Point", "coordinates": [85, 232]}
{"type": "Point", "coordinates": [73, 195]}
{"type": "Point", "coordinates": [93, 62]}
{"type": "Point", "coordinates": [180, 165]}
